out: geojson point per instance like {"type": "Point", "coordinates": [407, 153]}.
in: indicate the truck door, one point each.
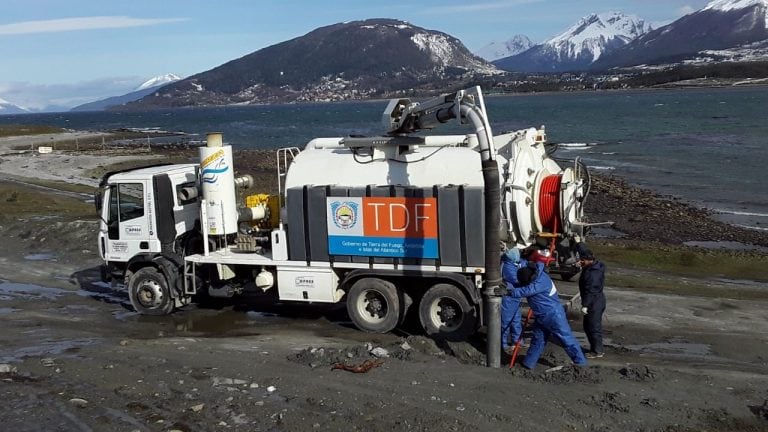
{"type": "Point", "coordinates": [126, 226]}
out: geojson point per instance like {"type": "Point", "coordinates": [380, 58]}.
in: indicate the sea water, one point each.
{"type": "Point", "coordinates": [706, 146]}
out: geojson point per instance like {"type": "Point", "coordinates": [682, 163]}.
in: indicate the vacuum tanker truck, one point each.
{"type": "Point", "coordinates": [393, 225]}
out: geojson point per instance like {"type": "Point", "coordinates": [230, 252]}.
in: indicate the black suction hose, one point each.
{"type": "Point", "coordinates": [492, 287]}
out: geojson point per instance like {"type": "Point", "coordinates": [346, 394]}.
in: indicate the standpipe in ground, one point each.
{"type": "Point", "coordinates": [492, 283]}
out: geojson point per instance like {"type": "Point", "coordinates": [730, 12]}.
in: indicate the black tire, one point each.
{"type": "Point", "coordinates": [374, 305]}
{"type": "Point", "coordinates": [446, 313]}
{"type": "Point", "coordinates": [149, 292]}
{"type": "Point", "coordinates": [568, 276]}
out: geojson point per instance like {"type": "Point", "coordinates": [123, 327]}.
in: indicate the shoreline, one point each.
{"type": "Point", "coordinates": [638, 213]}
{"type": "Point", "coordinates": [680, 85]}
{"type": "Point", "coordinates": [13, 143]}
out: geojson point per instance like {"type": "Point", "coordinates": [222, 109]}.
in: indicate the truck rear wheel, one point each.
{"type": "Point", "coordinates": [445, 312]}
{"type": "Point", "coordinates": [374, 305]}
{"type": "Point", "coordinates": [149, 292]}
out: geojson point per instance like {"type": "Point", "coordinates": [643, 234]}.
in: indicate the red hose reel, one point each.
{"type": "Point", "coordinates": [549, 203]}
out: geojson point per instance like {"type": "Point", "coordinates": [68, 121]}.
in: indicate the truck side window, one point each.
{"type": "Point", "coordinates": [131, 197]}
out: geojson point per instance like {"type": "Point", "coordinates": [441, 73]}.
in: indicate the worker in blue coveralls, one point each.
{"type": "Point", "coordinates": [542, 296]}
{"type": "Point", "coordinates": [511, 328]}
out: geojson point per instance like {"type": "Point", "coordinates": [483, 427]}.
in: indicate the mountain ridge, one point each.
{"type": "Point", "coordinates": [722, 24]}
{"type": "Point", "coordinates": [498, 50]}
{"type": "Point", "coordinates": [7, 107]}
{"type": "Point", "coordinates": [352, 60]}
{"type": "Point", "coordinates": [159, 80]}
{"type": "Point", "coordinates": [146, 88]}
{"type": "Point", "coordinates": [580, 45]}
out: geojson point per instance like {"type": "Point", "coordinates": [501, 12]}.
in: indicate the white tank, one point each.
{"type": "Point", "coordinates": [327, 162]}
{"type": "Point", "coordinates": [218, 186]}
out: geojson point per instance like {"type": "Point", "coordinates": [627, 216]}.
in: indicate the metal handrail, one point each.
{"type": "Point", "coordinates": [285, 156]}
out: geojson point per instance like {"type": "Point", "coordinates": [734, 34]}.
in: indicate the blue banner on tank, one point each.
{"type": "Point", "coordinates": [392, 247]}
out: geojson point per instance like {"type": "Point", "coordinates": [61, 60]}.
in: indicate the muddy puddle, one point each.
{"type": "Point", "coordinates": [107, 306]}
{"type": "Point", "coordinates": [56, 348]}
{"type": "Point", "coordinates": [678, 350]}
{"type": "Point", "coordinates": [106, 293]}
{"type": "Point", "coordinates": [11, 290]}
{"type": "Point", "coordinates": [675, 349]}
{"type": "Point", "coordinates": [228, 322]}
{"type": "Point", "coordinates": [42, 256]}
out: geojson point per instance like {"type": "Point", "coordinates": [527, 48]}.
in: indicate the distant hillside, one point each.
{"type": "Point", "coordinates": [144, 89]}
{"type": "Point", "coordinates": [353, 60]}
{"type": "Point", "coordinates": [9, 108]}
{"type": "Point", "coordinates": [697, 75]}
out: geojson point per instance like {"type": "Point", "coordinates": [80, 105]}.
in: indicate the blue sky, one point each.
{"type": "Point", "coordinates": [65, 52]}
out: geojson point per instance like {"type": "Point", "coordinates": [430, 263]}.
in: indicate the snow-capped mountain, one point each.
{"type": "Point", "coordinates": [730, 5]}
{"type": "Point", "coordinates": [9, 108]}
{"type": "Point", "coordinates": [720, 25]}
{"type": "Point", "coordinates": [580, 45]}
{"type": "Point", "coordinates": [147, 88]}
{"type": "Point", "coordinates": [159, 81]}
{"type": "Point", "coordinates": [497, 50]}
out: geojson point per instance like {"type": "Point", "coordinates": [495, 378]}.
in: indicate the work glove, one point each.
{"type": "Point", "coordinates": [584, 310]}
{"type": "Point", "coordinates": [502, 291]}
{"type": "Point", "coordinates": [577, 238]}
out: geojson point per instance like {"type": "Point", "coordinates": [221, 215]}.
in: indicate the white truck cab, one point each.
{"type": "Point", "coordinates": [144, 208]}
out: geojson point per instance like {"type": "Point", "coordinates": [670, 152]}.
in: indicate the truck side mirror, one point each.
{"type": "Point", "coordinates": [97, 200]}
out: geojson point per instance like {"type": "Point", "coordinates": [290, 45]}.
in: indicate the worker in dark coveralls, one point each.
{"type": "Point", "coordinates": [511, 328]}
{"type": "Point", "coordinates": [591, 284]}
{"type": "Point", "coordinates": [542, 296]}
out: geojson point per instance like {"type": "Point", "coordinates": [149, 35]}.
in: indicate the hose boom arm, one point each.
{"type": "Point", "coordinates": [403, 116]}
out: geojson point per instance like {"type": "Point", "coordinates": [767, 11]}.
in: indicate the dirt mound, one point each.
{"type": "Point", "coordinates": [610, 402]}
{"type": "Point", "coordinates": [570, 374]}
{"type": "Point", "coordinates": [561, 374]}
{"type": "Point", "coordinates": [638, 373]}
{"type": "Point", "coordinates": [354, 355]}
{"type": "Point", "coordinates": [410, 349]}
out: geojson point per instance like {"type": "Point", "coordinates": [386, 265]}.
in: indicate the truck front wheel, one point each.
{"type": "Point", "coordinates": [374, 305]}
{"type": "Point", "coordinates": [445, 312]}
{"type": "Point", "coordinates": [149, 292]}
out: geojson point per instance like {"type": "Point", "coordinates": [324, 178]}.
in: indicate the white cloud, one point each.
{"type": "Point", "coordinates": [482, 6]}
{"type": "Point", "coordinates": [49, 96]}
{"type": "Point", "coordinates": [81, 23]}
{"type": "Point", "coordinates": [687, 9]}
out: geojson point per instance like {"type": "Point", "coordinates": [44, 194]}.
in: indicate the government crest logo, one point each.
{"type": "Point", "coordinates": [344, 214]}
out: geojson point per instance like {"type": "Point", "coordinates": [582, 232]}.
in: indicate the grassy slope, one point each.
{"type": "Point", "coordinates": [19, 130]}
{"type": "Point", "coordinates": [660, 268]}
{"type": "Point", "coordinates": [21, 201]}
